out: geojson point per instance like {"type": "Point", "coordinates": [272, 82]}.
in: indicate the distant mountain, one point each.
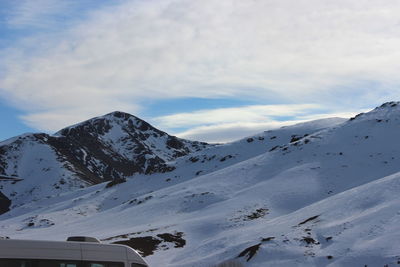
{"type": "Point", "coordinates": [321, 193]}
{"type": "Point", "coordinates": [111, 147]}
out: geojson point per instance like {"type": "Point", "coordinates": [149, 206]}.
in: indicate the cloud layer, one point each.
{"type": "Point", "coordinates": [229, 124]}
{"type": "Point", "coordinates": [341, 54]}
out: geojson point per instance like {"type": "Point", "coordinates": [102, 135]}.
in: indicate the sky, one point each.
{"type": "Point", "coordinates": [206, 70]}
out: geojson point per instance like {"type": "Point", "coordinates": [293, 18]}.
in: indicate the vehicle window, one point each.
{"type": "Point", "coordinates": [138, 265]}
{"type": "Point", "coordinates": [104, 264]}
{"type": "Point", "coordinates": [56, 263]}
{"type": "Point", "coordinates": [15, 263]}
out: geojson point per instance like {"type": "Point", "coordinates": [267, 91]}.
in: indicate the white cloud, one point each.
{"type": "Point", "coordinates": [227, 132]}
{"type": "Point", "coordinates": [289, 51]}
{"type": "Point", "coordinates": [56, 119]}
{"type": "Point", "coordinates": [255, 113]}
{"type": "Point", "coordinates": [230, 124]}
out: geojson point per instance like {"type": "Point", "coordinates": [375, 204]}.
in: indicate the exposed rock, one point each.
{"type": "Point", "coordinates": [309, 219]}
{"type": "Point", "coordinates": [5, 203]}
{"type": "Point", "coordinates": [309, 240]}
{"type": "Point", "coordinates": [115, 182]}
{"type": "Point", "coordinates": [250, 252]}
{"type": "Point", "coordinates": [147, 245]}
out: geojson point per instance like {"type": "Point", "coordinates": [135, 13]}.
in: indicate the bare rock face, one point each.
{"type": "Point", "coordinates": [124, 144]}
{"type": "Point", "coordinates": [5, 203]}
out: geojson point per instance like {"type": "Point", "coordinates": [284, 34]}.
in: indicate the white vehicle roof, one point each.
{"type": "Point", "coordinates": [70, 250]}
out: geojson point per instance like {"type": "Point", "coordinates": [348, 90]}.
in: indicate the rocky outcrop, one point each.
{"type": "Point", "coordinates": [5, 203]}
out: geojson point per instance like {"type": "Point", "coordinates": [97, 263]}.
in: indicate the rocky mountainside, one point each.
{"type": "Point", "coordinates": [111, 147]}
{"type": "Point", "coordinates": [322, 193]}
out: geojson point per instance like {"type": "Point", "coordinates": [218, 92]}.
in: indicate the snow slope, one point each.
{"type": "Point", "coordinates": [323, 193]}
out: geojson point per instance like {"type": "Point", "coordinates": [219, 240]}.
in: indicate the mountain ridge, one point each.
{"type": "Point", "coordinates": [105, 148]}
{"type": "Point", "coordinates": [322, 193]}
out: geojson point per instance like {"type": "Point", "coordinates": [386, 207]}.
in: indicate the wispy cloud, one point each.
{"type": "Point", "coordinates": [229, 124]}
{"type": "Point", "coordinates": [255, 113]}
{"type": "Point", "coordinates": [281, 51]}
{"type": "Point", "coordinates": [226, 132]}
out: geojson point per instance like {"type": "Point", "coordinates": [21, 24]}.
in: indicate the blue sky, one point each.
{"type": "Point", "coordinates": [11, 124]}
{"type": "Point", "coordinates": [208, 70]}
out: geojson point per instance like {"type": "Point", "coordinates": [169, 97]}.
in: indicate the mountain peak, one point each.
{"type": "Point", "coordinates": [385, 111]}
{"type": "Point", "coordinates": [108, 147]}
{"type": "Point", "coordinates": [390, 104]}
{"type": "Point", "coordinates": [103, 124]}
{"type": "Point", "coordinates": [120, 115]}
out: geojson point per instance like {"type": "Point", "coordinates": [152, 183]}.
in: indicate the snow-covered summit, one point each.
{"type": "Point", "coordinates": [110, 147]}
{"type": "Point", "coordinates": [102, 124]}
{"type": "Point", "coordinates": [130, 136]}
{"type": "Point", "coordinates": [386, 111]}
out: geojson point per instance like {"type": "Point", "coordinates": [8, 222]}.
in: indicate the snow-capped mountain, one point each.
{"type": "Point", "coordinates": [322, 193]}
{"type": "Point", "coordinates": [111, 147]}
